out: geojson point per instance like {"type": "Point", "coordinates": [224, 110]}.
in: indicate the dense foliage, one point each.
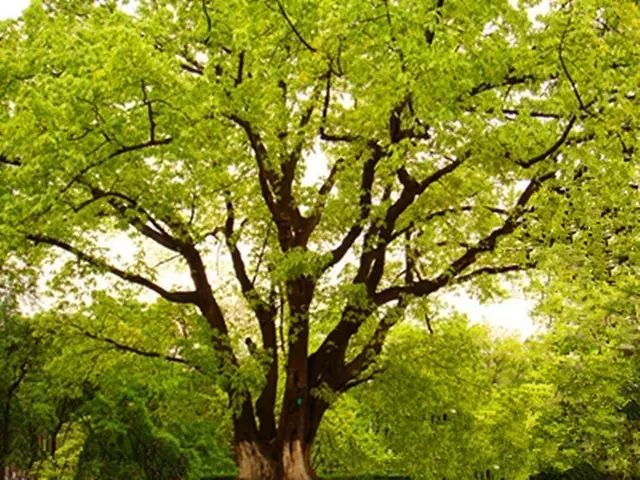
{"type": "Point", "coordinates": [288, 180]}
{"type": "Point", "coordinates": [455, 402]}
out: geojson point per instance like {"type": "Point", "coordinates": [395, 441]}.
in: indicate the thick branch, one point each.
{"type": "Point", "coordinates": [412, 189]}
{"type": "Point", "coordinates": [493, 270]}
{"type": "Point", "coordinates": [123, 204]}
{"type": "Point", "coordinates": [240, 72]}
{"type": "Point", "coordinates": [324, 135]}
{"type": "Point", "coordinates": [372, 349]}
{"type": "Point", "coordinates": [265, 314]}
{"type": "Point", "coordinates": [508, 81]}
{"type": "Point", "coordinates": [471, 254]}
{"type": "Point", "coordinates": [441, 213]}
{"type": "Point", "coordinates": [366, 186]}
{"type": "Point", "coordinates": [265, 177]}
{"type": "Point", "coordinates": [13, 387]}
{"type": "Point", "coordinates": [236, 257]}
{"type": "Point", "coordinates": [430, 34]}
{"type": "Point", "coordinates": [318, 209]}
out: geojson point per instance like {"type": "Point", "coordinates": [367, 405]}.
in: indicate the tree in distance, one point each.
{"type": "Point", "coordinates": [353, 159]}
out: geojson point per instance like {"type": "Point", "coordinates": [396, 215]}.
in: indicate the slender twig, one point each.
{"type": "Point", "coordinates": [563, 64]}
{"type": "Point", "coordinates": [176, 297]}
{"type": "Point", "coordinates": [9, 161]}
{"type": "Point", "coordinates": [307, 45]}
{"type": "Point", "coordinates": [147, 103]}
{"type": "Point", "coordinates": [551, 150]}
{"type": "Point", "coordinates": [138, 351]}
{"type": "Point", "coordinates": [209, 22]}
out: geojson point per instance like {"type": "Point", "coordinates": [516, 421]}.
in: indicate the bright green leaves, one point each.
{"type": "Point", "coordinates": [453, 403]}
{"type": "Point", "coordinates": [377, 143]}
{"type": "Point", "coordinates": [164, 128]}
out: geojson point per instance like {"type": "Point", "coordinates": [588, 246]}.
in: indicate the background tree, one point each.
{"type": "Point", "coordinates": [589, 359]}
{"type": "Point", "coordinates": [24, 418]}
{"type": "Point", "coordinates": [455, 403]}
{"type": "Point", "coordinates": [146, 413]}
{"type": "Point", "coordinates": [353, 159]}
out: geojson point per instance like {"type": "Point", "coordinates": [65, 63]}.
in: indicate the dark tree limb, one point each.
{"type": "Point", "coordinates": [472, 252]}
{"type": "Point", "coordinates": [372, 260]}
{"type": "Point", "coordinates": [324, 135]}
{"type": "Point", "coordinates": [263, 249]}
{"type": "Point", "coordinates": [295, 30]}
{"type": "Point", "coordinates": [190, 64]}
{"type": "Point", "coordinates": [266, 315]}
{"type": "Point", "coordinates": [441, 213]}
{"type": "Point", "coordinates": [493, 270]}
{"type": "Point", "coordinates": [318, 209]}
{"type": "Point", "coordinates": [362, 379]}
{"type": "Point", "coordinates": [412, 190]}
{"type": "Point", "coordinates": [9, 161]}
{"type": "Point", "coordinates": [265, 176]}
{"type": "Point", "coordinates": [239, 268]}
{"type": "Point", "coordinates": [508, 81]}
{"type": "Point", "coordinates": [361, 362]}
{"type": "Point", "coordinates": [207, 17]}
{"type": "Point", "coordinates": [150, 115]}
{"type": "Point", "coordinates": [430, 34]}
{"type": "Point", "coordinates": [120, 151]}
{"type": "Point", "coordinates": [175, 297]}
{"type": "Point", "coordinates": [364, 201]}
{"type": "Point", "coordinates": [552, 149]}
{"type": "Point", "coordinates": [574, 87]}
{"type": "Point", "coordinates": [240, 73]}
{"type": "Point", "coordinates": [139, 351]}
{"type": "Point", "coordinates": [533, 114]}
{"type": "Point", "coordinates": [123, 204]}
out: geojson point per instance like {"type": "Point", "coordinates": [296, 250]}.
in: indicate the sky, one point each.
{"type": "Point", "coordinates": [12, 8]}
{"type": "Point", "coordinates": [509, 316]}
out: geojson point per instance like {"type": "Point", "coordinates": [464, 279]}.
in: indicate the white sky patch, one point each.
{"type": "Point", "coordinates": [542, 8]}
{"type": "Point", "coordinates": [129, 7]}
{"type": "Point", "coordinates": [12, 8]}
{"type": "Point", "coordinates": [316, 168]}
{"type": "Point", "coordinates": [511, 316]}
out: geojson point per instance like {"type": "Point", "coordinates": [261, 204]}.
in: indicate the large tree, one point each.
{"type": "Point", "coordinates": [352, 158]}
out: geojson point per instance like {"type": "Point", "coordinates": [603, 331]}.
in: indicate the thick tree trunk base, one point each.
{"type": "Point", "coordinates": [253, 464]}
{"type": "Point", "coordinates": [293, 463]}
{"type": "Point", "coordinates": [296, 462]}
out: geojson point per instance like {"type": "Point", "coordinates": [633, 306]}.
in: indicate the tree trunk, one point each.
{"type": "Point", "coordinates": [293, 462]}
{"type": "Point", "coordinates": [288, 455]}
{"type": "Point", "coordinates": [254, 462]}
{"type": "Point", "coordinates": [284, 452]}
{"type": "Point", "coordinates": [296, 461]}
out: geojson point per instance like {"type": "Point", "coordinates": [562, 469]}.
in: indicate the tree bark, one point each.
{"type": "Point", "coordinates": [257, 461]}
{"type": "Point", "coordinates": [296, 461]}
{"type": "Point", "coordinates": [287, 455]}
{"type": "Point", "coordinates": [254, 462]}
